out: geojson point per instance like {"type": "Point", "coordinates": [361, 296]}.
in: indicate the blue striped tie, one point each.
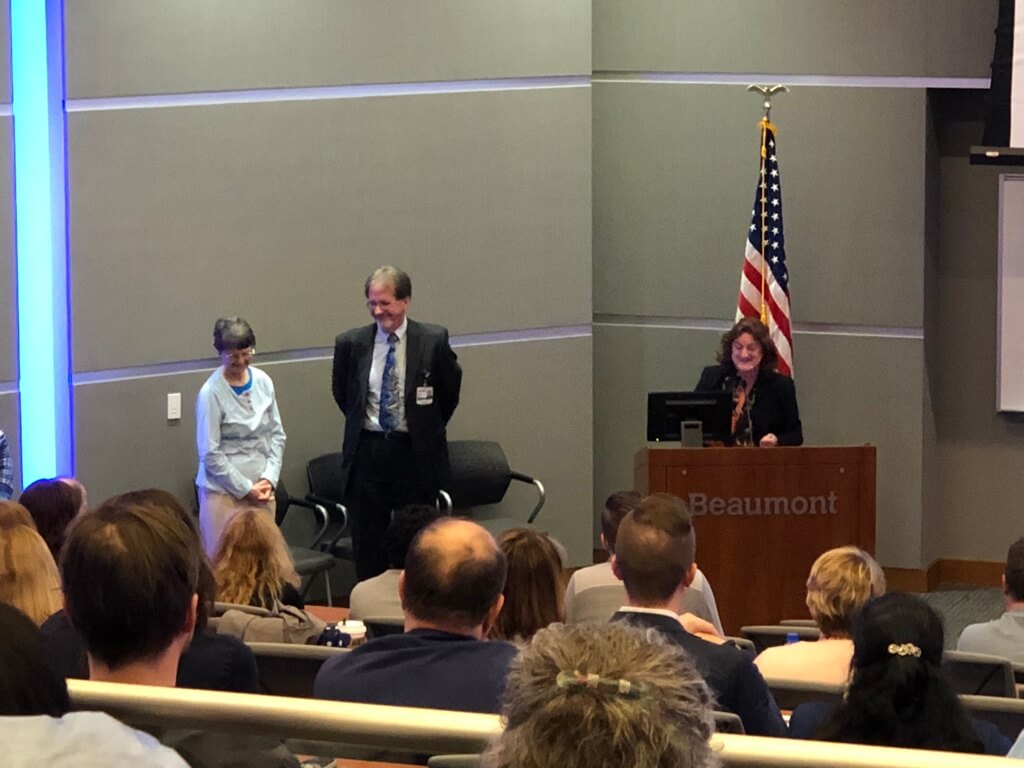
{"type": "Point", "coordinates": [390, 393]}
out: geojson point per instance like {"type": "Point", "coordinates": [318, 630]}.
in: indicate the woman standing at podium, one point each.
{"type": "Point", "coordinates": [764, 401]}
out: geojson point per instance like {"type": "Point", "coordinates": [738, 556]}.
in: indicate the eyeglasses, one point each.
{"type": "Point", "coordinates": [239, 354]}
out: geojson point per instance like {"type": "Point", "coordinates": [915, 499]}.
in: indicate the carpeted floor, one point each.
{"type": "Point", "coordinates": [960, 606]}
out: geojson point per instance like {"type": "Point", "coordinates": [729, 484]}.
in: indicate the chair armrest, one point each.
{"type": "Point", "coordinates": [444, 502]}
{"type": "Point", "coordinates": [319, 512]}
{"type": "Point", "coordinates": [335, 507]}
{"type": "Point", "coordinates": [541, 494]}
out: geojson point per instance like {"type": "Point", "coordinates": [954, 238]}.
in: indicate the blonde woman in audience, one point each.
{"type": "Point", "coordinates": [252, 563]}
{"type": "Point", "coordinates": [13, 513]}
{"type": "Point", "coordinates": [586, 695]}
{"type": "Point", "coordinates": [534, 588]}
{"type": "Point", "coordinates": [841, 581]}
{"type": "Point", "coordinates": [28, 575]}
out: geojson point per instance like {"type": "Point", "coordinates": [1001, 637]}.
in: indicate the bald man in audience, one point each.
{"type": "Point", "coordinates": [654, 557]}
{"type": "Point", "coordinates": [451, 592]}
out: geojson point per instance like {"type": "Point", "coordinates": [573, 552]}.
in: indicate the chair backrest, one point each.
{"type": "Point", "coordinates": [324, 476]}
{"type": "Point", "coordinates": [977, 674]}
{"type": "Point", "coordinates": [768, 635]}
{"type": "Point", "coordinates": [595, 605]}
{"type": "Point", "coordinates": [1004, 713]}
{"type": "Point", "coordinates": [479, 473]}
{"type": "Point", "coordinates": [789, 694]}
{"type": "Point", "coordinates": [728, 722]}
{"type": "Point", "coordinates": [288, 669]}
{"type": "Point", "coordinates": [379, 626]}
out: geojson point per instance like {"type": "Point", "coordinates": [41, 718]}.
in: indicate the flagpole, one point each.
{"type": "Point", "coordinates": [766, 91]}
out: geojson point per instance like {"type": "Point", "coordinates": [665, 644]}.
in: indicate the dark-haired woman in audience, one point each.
{"type": "Point", "coordinates": [253, 565]}
{"type": "Point", "coordinates": [28, 575]}
{"type": "Point", "coordinates": [898, 696]}
{"type": "Point", "coordinates": [53, 504]}
{"type": "Point", "coordinates": [29, 685]}
{"type": "Point", "coordinates": [534, 588]}
{"type": "Point", "coordinates": [239, 434]}
{"type": "Point", "coordinates": [765, 412]}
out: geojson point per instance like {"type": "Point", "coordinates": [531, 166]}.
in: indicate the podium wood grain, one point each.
{"type": "Point", "coordinates": [756, 549]}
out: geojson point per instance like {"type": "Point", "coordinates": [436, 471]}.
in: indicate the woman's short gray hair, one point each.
{"type": "Point", "coordinates": [663, 717]}
{"type": "Point", "coordinates": [233, 333]}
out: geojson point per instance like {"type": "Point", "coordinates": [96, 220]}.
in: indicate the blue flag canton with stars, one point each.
{"type": "Point", "coordinates": [770, 190]}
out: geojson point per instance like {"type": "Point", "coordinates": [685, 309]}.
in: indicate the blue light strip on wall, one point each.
{"type": "Point", "coordinates": [39, 169]}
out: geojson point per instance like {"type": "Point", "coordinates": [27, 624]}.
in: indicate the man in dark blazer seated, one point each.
{"type": "Point", "coordinates": [451, 592]}
{"type": "Point", "coordinates": [654, 557]}
{"type": "Point", "coordinates": [397, 381]}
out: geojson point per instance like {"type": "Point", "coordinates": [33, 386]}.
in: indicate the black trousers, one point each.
{"type": "Point", "coordinates": [383, 478]}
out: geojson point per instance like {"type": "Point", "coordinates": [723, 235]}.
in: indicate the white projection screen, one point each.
{"type": "Point", "coordinates": [1010, 331]}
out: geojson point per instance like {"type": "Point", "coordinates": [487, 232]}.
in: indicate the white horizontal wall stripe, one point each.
{"type": "Point", "coordinates": [334, 92]}
{"type": "Point", "coordinates": [318, 353]}
{"type": "Point", "coordinates": [711, 324]}
{"type": "Point", "coordinates": [824, 81]}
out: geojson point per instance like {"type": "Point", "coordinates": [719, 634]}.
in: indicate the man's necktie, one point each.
{"type": "Point", "coordinates": [390, 393]}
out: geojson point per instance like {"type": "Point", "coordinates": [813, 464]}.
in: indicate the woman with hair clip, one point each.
{"type": "Point", "coordinates": [897, 695]}
{"type": "Point", "coordinates": [252, 564]}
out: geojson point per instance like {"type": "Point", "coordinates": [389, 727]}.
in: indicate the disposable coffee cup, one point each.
{"type": "Point", "coordinates": [355, 630]}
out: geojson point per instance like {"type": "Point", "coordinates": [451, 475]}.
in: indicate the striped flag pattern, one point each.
{"type": "Point", "coordinates": [764, 281]}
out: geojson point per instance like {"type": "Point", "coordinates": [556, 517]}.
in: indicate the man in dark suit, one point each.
{"type": "Point", "coordinates": [654, 556]}
{"type": "Point", "coordinates": [397, 381]}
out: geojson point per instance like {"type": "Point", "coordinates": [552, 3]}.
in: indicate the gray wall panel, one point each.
{"type": "Point", "coordinates": [936, 38]}
{"type": "Point", "coordinates": [8, 256]}
{"type": "Point", "coordinates": [124, 47]}
{"type": "Point", "coordinates": [10, 423]}
{"type": "Point", "coordinates": [124, 441]}
{"type": "Point", "coordinates": [674, 174]}
{"type": "Point", "coordinates": [979, 452]}
{"type": "Point", "coordinates": [278, 211]}
{"type": "Point", "coordinates": [843, 401]}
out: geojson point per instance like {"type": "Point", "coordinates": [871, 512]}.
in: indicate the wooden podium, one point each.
{"type": "Point", "coordinates": [763, 515]}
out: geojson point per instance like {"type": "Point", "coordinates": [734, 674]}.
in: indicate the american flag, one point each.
{"type": "Point", "coordinates": [764, 293]}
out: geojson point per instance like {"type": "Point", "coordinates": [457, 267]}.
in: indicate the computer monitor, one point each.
{"type": "Point", "coordinates": [666, 412]}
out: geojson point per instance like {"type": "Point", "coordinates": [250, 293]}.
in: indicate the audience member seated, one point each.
{"type": "Point", "coordinates": [28, 576]}
{"type": "Point", "coordinates": [252, 563]}
{"type": "Point", "coordinates": [1003, 636]}
{"type": "Point", "coordinates": [53, 505]}
{"type": "Point", "coordinates": [211, 661]}
{"type": "Point", "coordinates": [595, 593]}
{"type": "Point", "coordinates": [141, 552]}
{"type": "Point", "coordinates": [840, 582]}
{"type": "Point", "coordinates": [13, 513]}
{"type": "Point", "coordinates": [534, 590]}
{"type": "Point", "coordinates": [451, 595]}
{"type": "Point", "coordinates": [592, 695]}
{"type": "Point", "coordinates": [35, 725]}
{"type": "Point", "coordinates": [897, 695]}
{"type": "Point", "coordinates": [377, 597]}
{"type": "Point", "coordinates": [654, 557]}
{"type": "Point", "coordinates": [83, 495]}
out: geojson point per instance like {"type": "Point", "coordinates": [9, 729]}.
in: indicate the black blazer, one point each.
{"type": "Point", "coordinates": [730, 674]}
{"type": "Point", "coordinates": [774, 410]}
{"type": "Point", "coordinates": [429, 361]}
